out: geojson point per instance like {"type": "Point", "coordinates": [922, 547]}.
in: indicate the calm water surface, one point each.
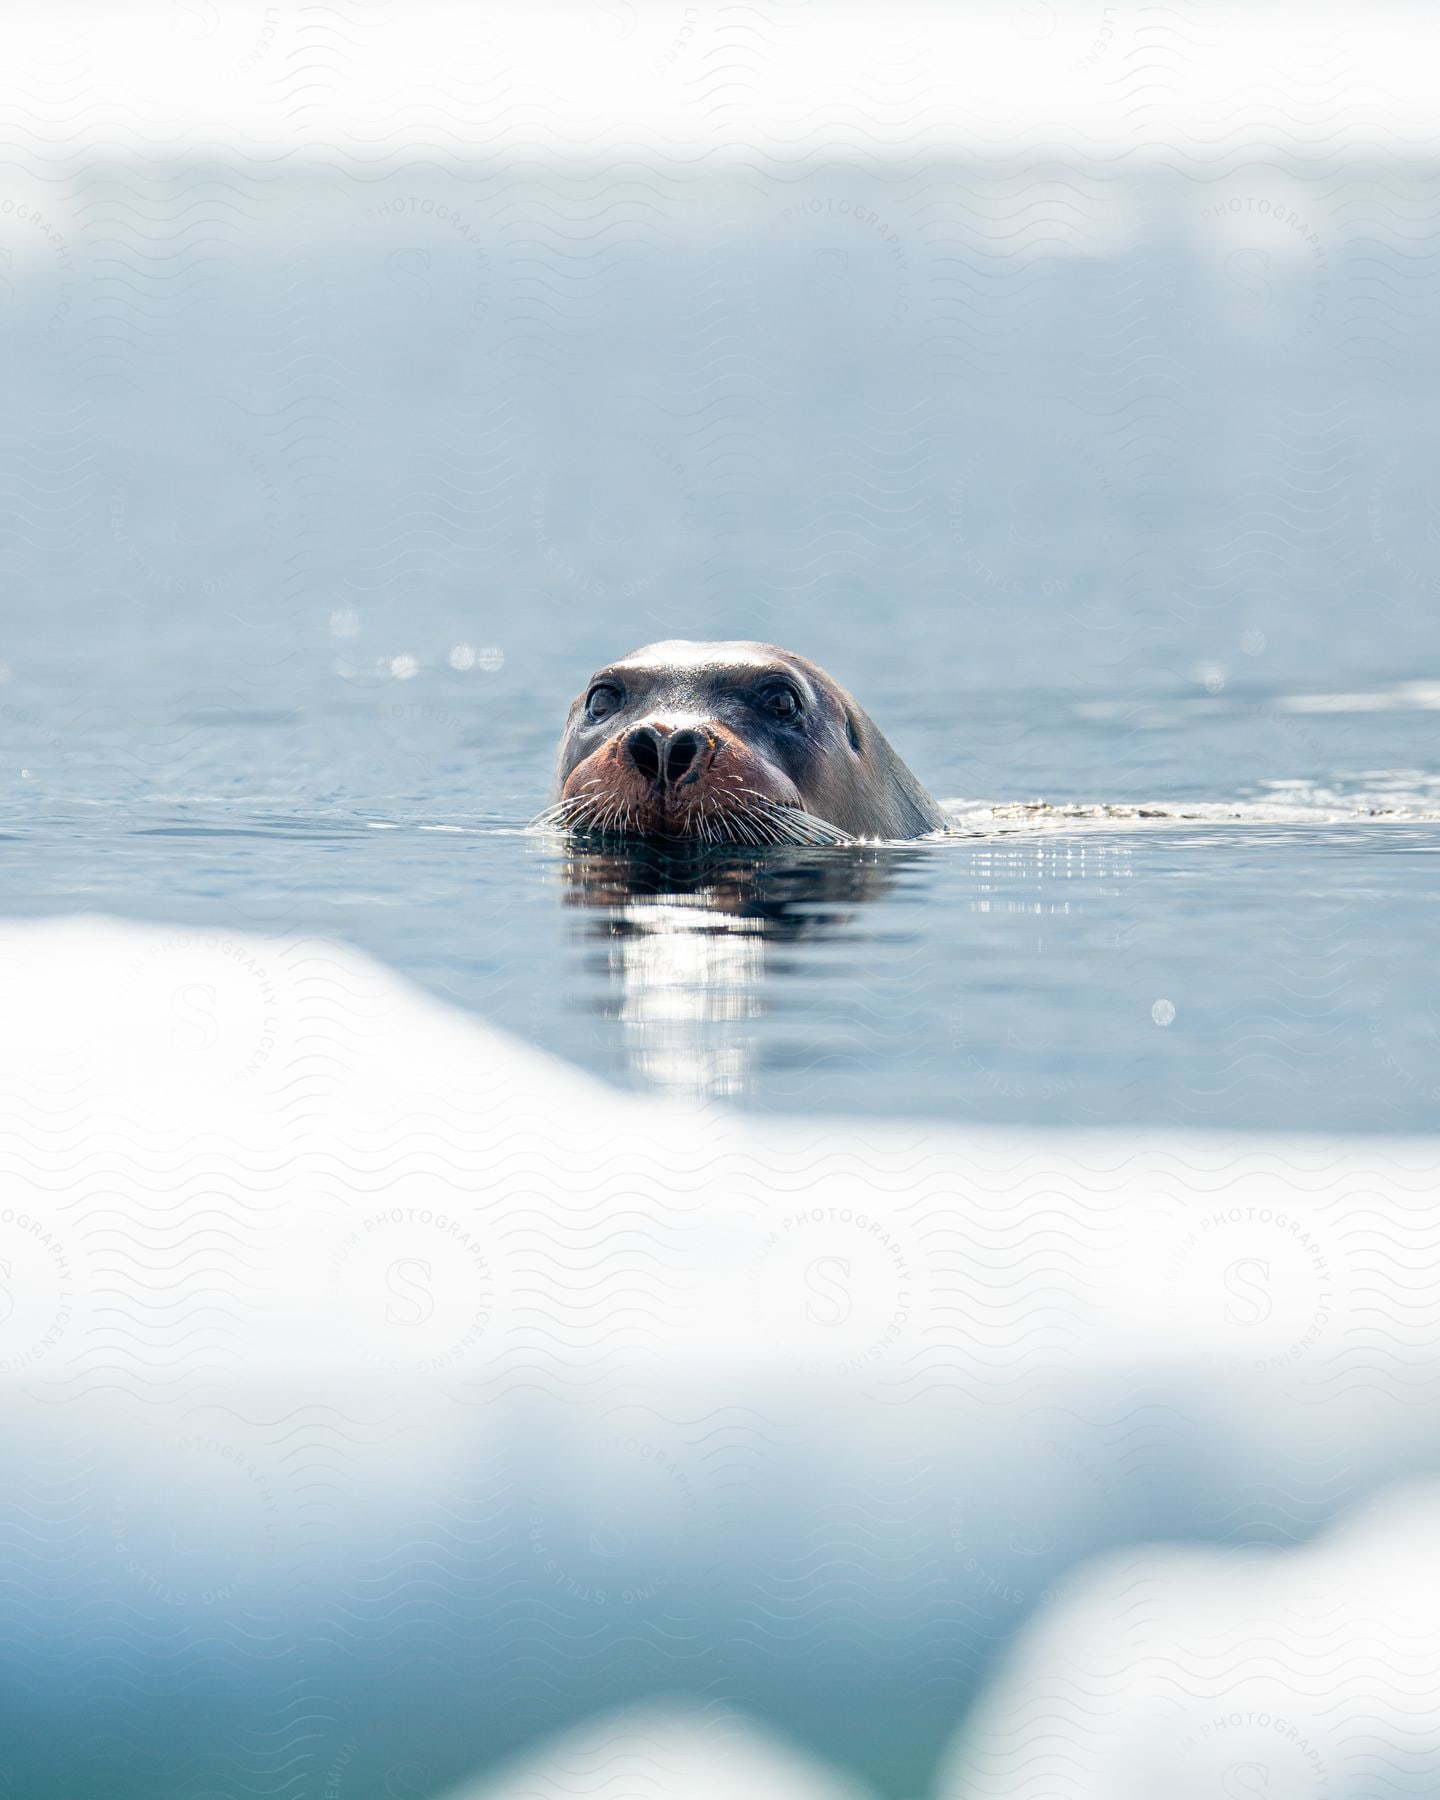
{"type": "Point", "coordinates": [318, 511]}
{"type": "Point", "coordinates": [1275, 969]}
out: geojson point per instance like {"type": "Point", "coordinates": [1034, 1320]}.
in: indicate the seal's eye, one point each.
{"type": "Point", "coordinates": [781, 699]}
{"type": "Point", "coordinates": [604, 698]}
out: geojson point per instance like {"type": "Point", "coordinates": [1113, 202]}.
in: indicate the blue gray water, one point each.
{"type": "Point", "coordinates": [324, 495]}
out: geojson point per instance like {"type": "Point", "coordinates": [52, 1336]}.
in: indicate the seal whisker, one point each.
{"type": "Point", "coordinates": [562, 816]}
{"type": "Point", "coordinates": [795, 826]}
{"type": "Point", "coordinates": [763, 829]}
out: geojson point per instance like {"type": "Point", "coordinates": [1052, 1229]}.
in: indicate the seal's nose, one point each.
{"type": "Point", "coordinates": [664, 755]}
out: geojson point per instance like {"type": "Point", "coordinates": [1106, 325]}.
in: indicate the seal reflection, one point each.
{"type": "Point", "coordinates": [693, 940]}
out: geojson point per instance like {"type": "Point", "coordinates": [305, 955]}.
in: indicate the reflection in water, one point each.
{"type": "Point", "coordinates": [688, 931]}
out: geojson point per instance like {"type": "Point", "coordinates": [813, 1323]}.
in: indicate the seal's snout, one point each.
{"type": "Point", "coordinates": [730, 743]}
{"type": "Point", "coordinates": [665, 755]}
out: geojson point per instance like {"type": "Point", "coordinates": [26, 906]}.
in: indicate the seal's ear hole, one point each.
{"type": "Point", "coordinates": [852, 734]}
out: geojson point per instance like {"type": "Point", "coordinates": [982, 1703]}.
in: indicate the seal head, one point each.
{"type": "Point", "coordinates": [730, 743]}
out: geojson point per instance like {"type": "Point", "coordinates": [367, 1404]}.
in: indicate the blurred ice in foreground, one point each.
{"type": "Point", "coordinates": [678, 1373]}
{"type": "Point", "coordinates": [663, 1752]}
{"type": "Point", "coordinates": [1192, 1675]}
{"type": "Point", "coordinates": [1206, 1675]}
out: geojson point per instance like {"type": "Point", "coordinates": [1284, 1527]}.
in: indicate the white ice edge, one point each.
{"type": "Point", "coordinates": [1177, 1672]}
{"type": "Point", "coordinates": [319, 1096]}
{"type": "Point", "coordinates": [886, 83]}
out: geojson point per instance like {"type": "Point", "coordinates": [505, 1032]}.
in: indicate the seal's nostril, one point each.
{"type": "Point", "coordinates": [680, 752]}
{"type": "Point", "coordinates": [664, 755]}
{"type": "Point", "coordinates": [644, 747]}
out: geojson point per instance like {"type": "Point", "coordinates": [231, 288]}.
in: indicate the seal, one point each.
{"type": "Point", "coordinates": [730, 743]}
